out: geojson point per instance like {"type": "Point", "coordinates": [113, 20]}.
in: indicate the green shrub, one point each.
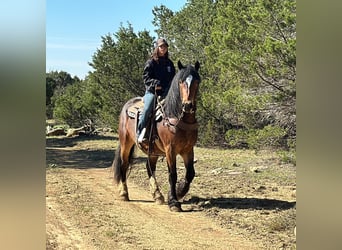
{"type": "Point", "coordinates": [269, 136]}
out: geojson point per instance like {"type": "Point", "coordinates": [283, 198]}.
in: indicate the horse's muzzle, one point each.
{"type": "Point", "coordinates": [189, 107]}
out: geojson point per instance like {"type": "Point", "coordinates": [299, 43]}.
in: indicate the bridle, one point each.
{"type": "Point", "coordinates": [188, 107]}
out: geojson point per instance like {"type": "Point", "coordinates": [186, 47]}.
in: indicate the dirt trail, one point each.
{"type": "Point", "coordinates": [82, 212]}
{"type": "Point", "coordinates": [239, 199]}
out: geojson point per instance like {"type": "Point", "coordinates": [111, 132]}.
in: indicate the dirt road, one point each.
{"type": "Point", "coordinates": [83, 212]}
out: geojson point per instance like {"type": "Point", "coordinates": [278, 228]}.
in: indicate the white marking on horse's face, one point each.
{"type": "Point", "coordinates": [188, 81]}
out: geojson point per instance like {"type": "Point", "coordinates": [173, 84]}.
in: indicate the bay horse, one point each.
{"type": "Point", "coordinates": [174, 134]}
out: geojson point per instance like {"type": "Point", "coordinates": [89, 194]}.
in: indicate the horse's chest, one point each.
{"type": "Point", "coordinates": [186, 138]}
{"type": "Point", "coordinates": [181, 139]}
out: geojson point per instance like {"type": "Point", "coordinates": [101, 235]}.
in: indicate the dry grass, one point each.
{"type": "Point", "coordinates": [246, 191]}
{"type": "Point", "coordinates": [249, 193]}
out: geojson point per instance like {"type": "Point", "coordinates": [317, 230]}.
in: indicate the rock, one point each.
{"type": "Point", "coordinates": [255, 169]}
{"type": "Point", "coordinates": [75, 131]}
{"type": "Point", "coordinates": [216, 171]}
{"type": "Point", "coordinates": [258, 169]}
{"type": "Point", "coordinates": [261, 188]}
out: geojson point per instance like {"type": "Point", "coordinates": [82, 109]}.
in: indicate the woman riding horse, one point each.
{"type": "Point", "coordinates": [158, 74]}
{"type": "Point", "coordinates": [176, 134]}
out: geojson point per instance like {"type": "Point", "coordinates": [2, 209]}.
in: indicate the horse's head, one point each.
{"type": "Point", "coordinates": [188, 86]}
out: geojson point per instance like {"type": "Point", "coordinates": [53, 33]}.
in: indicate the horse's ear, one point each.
{"type": "Point", "coordinates": [197, 66]}
{"type": "Point", "coordinates": [180, 65]}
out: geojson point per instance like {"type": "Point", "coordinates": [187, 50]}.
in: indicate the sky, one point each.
{"type": "Point", "coordinates": [74, 28]}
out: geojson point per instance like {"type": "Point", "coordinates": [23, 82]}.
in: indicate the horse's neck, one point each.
{"type": "Point", "coordinates": [169, 112]}
{"type": "Point", "coordinates": [189, 118]}
{"type": "Point", "coordinates": [185, 117]}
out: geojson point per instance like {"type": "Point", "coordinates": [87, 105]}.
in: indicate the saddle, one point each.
{"type": "Point", "coordinates": [152, 145]}
{"type": "Point", "coordinates": [134, 112]}
{"type": "Point", "coordinates": [138, 106]}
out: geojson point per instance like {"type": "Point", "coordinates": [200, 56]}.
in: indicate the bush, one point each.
{"type": "Point", "coordinates": [78, 103]}
{"type": "Point", "coordinates": [269, 136]}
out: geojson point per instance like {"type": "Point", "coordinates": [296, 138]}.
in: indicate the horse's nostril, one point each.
{"type": "Point", "coordinates": [187, 107]}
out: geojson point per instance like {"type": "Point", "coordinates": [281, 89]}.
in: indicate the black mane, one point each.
{"type": "Point", "coordinates": [173, 102]}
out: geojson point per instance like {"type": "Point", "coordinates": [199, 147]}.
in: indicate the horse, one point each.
{"type": "Point", "coordinates": [175, 133]}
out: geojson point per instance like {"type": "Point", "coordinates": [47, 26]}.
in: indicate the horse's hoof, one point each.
{"type": "Point", "coordinates": [160, 200]}
{"type": "Point", "coordinates": [176, 207]}
{"type": "Point", "coordinates": [158, 197]}
{"type": "Point", "coordinates": [123, 197]}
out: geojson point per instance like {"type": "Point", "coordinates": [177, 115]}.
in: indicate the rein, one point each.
{"type": "Point", "coordinates": [172, 123]}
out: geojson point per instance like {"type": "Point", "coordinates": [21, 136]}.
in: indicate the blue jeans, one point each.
{"type": "Point", "coordinates": [148, 107]}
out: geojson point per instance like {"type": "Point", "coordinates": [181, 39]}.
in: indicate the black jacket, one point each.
{"type": "Point", "coordinates": [159, 74]}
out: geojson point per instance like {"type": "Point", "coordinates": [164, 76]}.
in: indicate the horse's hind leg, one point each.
{"type": "Point", "coordinates": [121, 164]}
{"type": "Point", "coordinates": [184, 185]}
{"type": "Point", "coordinates": [154, 188]}
{"type": "Point", "coordinates": [123, 191]}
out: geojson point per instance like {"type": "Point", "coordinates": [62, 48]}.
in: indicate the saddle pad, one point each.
{"type": "Point", "coordinates": [137, 105]}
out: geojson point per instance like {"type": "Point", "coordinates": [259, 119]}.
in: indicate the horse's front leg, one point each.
{"type": "Point", "coordinates": [184, 185]}
{"type": "Point", "coordinates": [154, 188]}
{"type": "Point", "coordinates": [173, 203]}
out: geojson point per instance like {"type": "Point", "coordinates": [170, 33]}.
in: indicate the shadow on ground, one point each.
{"type": "Point", "coordinates": [59, 153]}
{"type": "Point", "coordinates": [58, 156]}
{"type": "Point", "coordinates": [61, 142]}
{"type": "Point", "coordinates": [241, 203]}
{"type": "Point", "coordinates": [79, 158]}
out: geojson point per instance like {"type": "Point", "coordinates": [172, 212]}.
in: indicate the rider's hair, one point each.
{"type": "Point", "coordinates": [155, 55]}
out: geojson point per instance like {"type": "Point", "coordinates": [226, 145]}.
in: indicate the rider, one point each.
{"type": "Point", "coordinates": [158, 73]}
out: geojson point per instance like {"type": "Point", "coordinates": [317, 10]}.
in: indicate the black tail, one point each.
{"type": "Point", "coordinates": [117, 164]}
